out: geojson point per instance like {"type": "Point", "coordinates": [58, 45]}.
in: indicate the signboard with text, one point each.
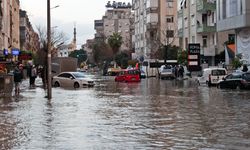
{"type": "Point", "coordinates": [194, 57]}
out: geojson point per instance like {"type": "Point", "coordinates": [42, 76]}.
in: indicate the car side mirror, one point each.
{"type": "Point", "coordinates": [223, 79]}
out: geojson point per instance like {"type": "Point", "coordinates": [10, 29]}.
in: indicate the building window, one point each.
{"type": "Point", "coordinates": [185, 22]}
{"type": "Point", "coordinates": [170, 19]}
{"type": "Point", "coordinates": [169, 4]}
{"type": "Point", "coordinates": [204, 41]}
{"type": "Point", "coordinates": [231, 38]}
{"type": "Point", "coordinates": [170, 33]}
{"type": "Point", "coordinates": [213, 17]}
{"type": "Point", "coordinates": [224, 9]}
{"type": "Point", "coordinates": [233, 8]}
{"type": "Point", "coordinates": [193, 21]}
{"type": "Point", "coordinates": [193, 39]}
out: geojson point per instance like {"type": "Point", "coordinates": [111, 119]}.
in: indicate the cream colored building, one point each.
{"type": "Point", "coordinates": [116, 19]}
{"type": "Point", "coordinates": [155, 25]}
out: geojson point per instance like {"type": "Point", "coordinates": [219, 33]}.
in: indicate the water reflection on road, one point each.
{"type": "Point", "coordinates": [153, 114]}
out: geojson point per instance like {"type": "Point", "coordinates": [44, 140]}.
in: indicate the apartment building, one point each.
{"type": "Point", "coordinates": [9, 24]}
{"type": "Point", "coordinates": [29, 39]}
{"type": "Point", "coordinates": [235, 15]}
{"type": "Point", "coordinates": [197, 24]}
{"type": "Point", "coordinates": [118, 18]}
{"type": "Point", "coordinates": [155, 25]}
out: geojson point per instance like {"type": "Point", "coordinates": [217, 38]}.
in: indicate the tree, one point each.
{"type": "Point", "coordinates": [182, 57]}
{"type": "Point", "coordinates": [122, 59]}
{"type": "Point", "coordinates": [115, 42]}
{"type": "Point", "coordinates": [101, 52]}
{"type": "Point", "coordinates": [81, 55]}
{"type": "Point", "coordinates": [162, 40]}
{"type": "Point", "coordinates": [57, 38]}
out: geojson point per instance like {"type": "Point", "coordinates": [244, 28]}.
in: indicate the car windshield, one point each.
{"type": "Point", "coordinates": [234, 76]}
{"type": "Point", "coordinates": [167, 70]}
{"type": "Point", "coordinates": [79, 75]}
{"type": "Point", "coordinates": [218, 72]}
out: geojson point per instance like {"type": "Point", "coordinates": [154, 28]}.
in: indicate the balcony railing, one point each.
{"type": "Point", "coordinates": [206, 29]}
{"type": "Point", "coordinates": [205, 5]}
{"type": "Point", "coordinates": [152, 25]}
{"type": "Point", "coordinates": [152, 6]}
{"type": "Point", "coordinates": [180, 13]}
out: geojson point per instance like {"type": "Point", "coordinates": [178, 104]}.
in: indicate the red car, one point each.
{"type": "Point", "coordinates": [131, 75]}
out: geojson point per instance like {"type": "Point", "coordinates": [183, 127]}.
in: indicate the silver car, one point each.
{"type": "Point", "coordinates": [72, 79]}
{"type": "Point", "coordinates": [167, 73]}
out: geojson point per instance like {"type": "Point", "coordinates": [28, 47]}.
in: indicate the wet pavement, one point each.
{"type": "Point", "coordinates": [153, 114]}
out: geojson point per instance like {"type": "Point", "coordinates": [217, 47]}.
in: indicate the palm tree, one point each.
{"type": "Point", "coordinates": [115, 42]}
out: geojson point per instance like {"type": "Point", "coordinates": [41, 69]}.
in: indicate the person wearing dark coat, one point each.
{"type": "Point", "coordinates": [245, 69]}
{"type": "Point", "coordinates": [18, 76]}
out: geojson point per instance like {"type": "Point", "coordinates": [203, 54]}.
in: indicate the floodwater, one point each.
{"type": "Point", "coordinates": [151, 115]}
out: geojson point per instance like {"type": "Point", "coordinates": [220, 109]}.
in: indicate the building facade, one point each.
{"type": "Point", "coordinates": [155, 25]}
{"type": "Point", "coordinates": [197, 24]}
{"type": "Point", "coordinates": [9, 24]}
{"type": "Point", "coordinates": [29, 39]}
{"type": "Point", "coordinates": [117, 19]}
{"type": "Point", "coordinates": [235, 15]}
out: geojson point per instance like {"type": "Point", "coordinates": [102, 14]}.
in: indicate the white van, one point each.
{"type": "Point", "coordinates": [211, 76]}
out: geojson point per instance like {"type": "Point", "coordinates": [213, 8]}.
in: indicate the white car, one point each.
{"type": "Point", "coordinates": [211, 76]}
{"type": "Point", "coordinates": [72, 79]}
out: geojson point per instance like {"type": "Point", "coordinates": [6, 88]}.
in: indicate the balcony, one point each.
{"type": "Point", "coordinates": [152, 18]}
{"type": "Point", "coordinates": [205, 5]}
{"type": "Point", "coordinates": [206, 29]}
{"type": "Point", "coordinates": [152, 6]}
{"type": "Point", "coordinates": [151, 26]}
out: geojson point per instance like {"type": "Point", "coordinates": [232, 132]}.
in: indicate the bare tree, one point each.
{"type": "Point", "coordinates": [57, 38]}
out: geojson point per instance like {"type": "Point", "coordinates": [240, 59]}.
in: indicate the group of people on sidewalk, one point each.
{"type": "Point", "coordinates": [19, 76]}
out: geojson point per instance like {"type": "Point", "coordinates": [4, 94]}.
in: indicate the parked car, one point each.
{"type": "Point", "coordinates": [235, 80]}
{"type": "Point", "coordinates": [211, 76]}
{"type": "Point", "coordinates": [167, 72]}
{"type": "Point", "coordinates": [128, 75]}
{"type": "Point", "coordinates": [72, 79]}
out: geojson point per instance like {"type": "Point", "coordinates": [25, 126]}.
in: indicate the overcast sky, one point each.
{"type": "Point", "coordinates": [70, 12]}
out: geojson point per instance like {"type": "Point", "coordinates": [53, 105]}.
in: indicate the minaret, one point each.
{"type": "Point", "coordinates": [74, 40]}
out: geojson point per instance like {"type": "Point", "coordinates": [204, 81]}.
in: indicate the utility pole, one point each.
{"type": "Point", "coordinates": [48, 52]}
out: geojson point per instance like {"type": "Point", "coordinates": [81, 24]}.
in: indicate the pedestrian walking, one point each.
{"type": "Point", "coordinates": [181, 71]}
{"type": "Point", "coordinates": [18, 76]}
{"type": "Point", "coordinates": [33, 76]}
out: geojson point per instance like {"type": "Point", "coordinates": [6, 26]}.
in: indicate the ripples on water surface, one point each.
{"type": "Point", "coordinates": [153, 114]}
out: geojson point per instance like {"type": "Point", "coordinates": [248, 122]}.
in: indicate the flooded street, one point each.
{"type": "Point", "coordinates": [153, 114]}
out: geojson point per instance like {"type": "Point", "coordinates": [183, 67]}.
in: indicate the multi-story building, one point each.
{"type": "Point", "coordinates": [29, 39]}
{"type": "Point", "coordinates": [155, 25]}
{"type": "Point", "coordinates": [117, 19]}
{"type": "Point", "coordinates": [235, 15]}
{"type": "Point", "coordinates": [9, 24]}
{"type": "Point", "coordinates": [197, 24]}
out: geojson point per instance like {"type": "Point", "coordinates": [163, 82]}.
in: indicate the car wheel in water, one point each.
{"type": "Point", "coordinates": [76, 85]}
{"type": "Point", "coordinates": [56, 84]}
{"type": "Point", "coordinates": [238, 87]}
